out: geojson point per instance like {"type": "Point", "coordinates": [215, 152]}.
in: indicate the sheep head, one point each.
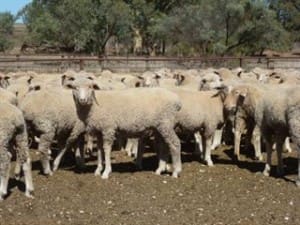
{"type": "Point", "coordinates": [83, 88]}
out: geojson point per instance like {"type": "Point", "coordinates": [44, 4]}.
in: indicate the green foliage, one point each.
{"type": "Point", "coordinates": [225, 27]}
{"type": "Point", "coordinates": [288, 13]}
{"type": "Point", "coordinates": [77, 26]}
{"type": "Point", "coordinates": [6, 30]}
{"type": "Point", "coordinates": [190, 27]}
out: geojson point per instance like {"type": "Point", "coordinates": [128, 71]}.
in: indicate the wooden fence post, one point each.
{"type": "Point", "coordinates": [241, 62]}
{"type": "Point", "coordinates": [81, 64]}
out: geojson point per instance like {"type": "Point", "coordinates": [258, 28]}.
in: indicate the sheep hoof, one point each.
{"type": "Point", "coordinates": [97, 172]}
{"type": "Point", "coordinates": [48, 173]}
{"type": "Point", "coordinates": [2, 195]}
{"type": "Point", "coordinates": [266, 173]}
{"type": "Point", "coordinates": [55, 168]}
{"type": "Point", "coordinates": [158, 171]}
{"type": "Point", "coordinates": [209, 163]}
{"type": "Point", "coordinates": [259, 158]}
{"type": "Point", "coordinates": [29, 194]}
{"type": "Point", "coordinates": [175, 174]}
{"type": "Point", "coordinates": [168, 168]}
{"type": "Point", "coordinates": [105, 176]}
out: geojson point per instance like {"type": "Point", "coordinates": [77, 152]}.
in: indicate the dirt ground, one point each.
{"type": "Point", "coordinates": [228, 193]}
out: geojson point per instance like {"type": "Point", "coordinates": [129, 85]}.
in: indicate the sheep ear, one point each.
{"type": "Point", "coordinates": [96, 87]}
{"type": "Point", "coordinates": [157, 76]}
{"type": "Point", "coordinates": [137, 84]}
{"type": "Point", "coordinates": [65, 78]}
{"type": "Point", "coordinates": [35, 88]}
{"type": "Point", "coordinates": [222, 92]}
{"type": "Point", "coordinates": [181, 78]}
{"type": "Point", "coordinates": [29, 80]}
{"type": "Point", "coordinates": [123, 79]}
{"type": "Point", "coordinates": [239, 74]}
{"type": "Point", "coordinates": [6, 78]}
{"type": "Point", "coordinates": [140, 77]}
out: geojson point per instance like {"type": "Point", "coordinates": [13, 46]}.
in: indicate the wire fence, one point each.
{"type": "Point", "coordinates": [138, 64]}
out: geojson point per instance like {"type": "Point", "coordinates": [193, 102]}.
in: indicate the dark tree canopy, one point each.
{"type": "Point", "coordinates": [6, 29]}
{"type": "Point", "coordinates": [190, 27]}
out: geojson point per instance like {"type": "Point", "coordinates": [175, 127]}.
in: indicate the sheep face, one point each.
{"type": "Point", "coordinates": [275, 78]}
{"type": "Point", "coordinates": [210, 82]}
{"type": "Point", "coordinates": [235, 98]}
{"type": "Point", "coordinates": [82, 87]}
{"type": "Point", "coordinates": [4, 81]}
{"type": "Point", "coordinates": [152, 80]}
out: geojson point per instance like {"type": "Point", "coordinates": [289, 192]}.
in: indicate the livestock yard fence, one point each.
{"type": "Point", "coordinates": [138, 64]}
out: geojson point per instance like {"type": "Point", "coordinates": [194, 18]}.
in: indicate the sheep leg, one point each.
{"type": "Point", "coordinates": [279, 144]}
{"type": "Point", "coordinates": [18, 170]}
{"type": "Point", "coordinates": [79, 152]}
{"type": "Point", "coordinates": [237, 143]}
{"type": "Point", "coordinates": [207, 151]}
{"type": "Point", "coordinates": [89, 143]}
{"type": "Point", "coordinates": [140, 152]}
{"type": "Point", "coordinates": [163, 155]}
{"type": "Point", "coordinates": [108, 139]}
{"type": "Point", "coordinates": [24, 158]}
{"type": "Point", "coordinates": [5, 158]}
{"type": "Point", "coordinates": [69, 144]}
{"type": "Point", "coordinates": [217, 139]}
{"type": "Point", "coordinates": [294, 122]}
{"type": "Point", "coordinates": [99, 155]}
{"type": "Point", "coordinates": [132, 147]}
{"type": "Point", "coordinates": [135, 147]}
{"type": "Point", "coordinates": [79, 157]}
{"type": "Point", "coordinates": [172, 140]}
{"type": "Point", "coordinates": [267, 169]}
{"type": "Point", "coordinates": [198, 145]}
{"type": "Point", "coordinates": [28, 178]}
{"type": "Point", "coordinates": [58, 159]}
{"type": "Point", "coordinates": [257, 143]}
{"type": "Point", "coordinates": [287, 145]}
{"type": "Point", "coordinates": [44, 148]}
{"type": "Point", "coordinates": [239, 127]}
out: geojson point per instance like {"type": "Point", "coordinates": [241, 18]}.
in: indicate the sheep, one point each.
{"type": "Point", "coordinates": [214, 81]}
{"type": "Point", "coordinates": [4, 80]}
{"type": "Point", "coordinates": [187, 80]}
{"type": "Point", "coordinates": [51, 113]}
{"type": "Point", "coordinates": [201, 112]}
{"type": "Point", "coordinates": [7, 96]}
{"type": "Point", "coordinates": [109, 112]}
{"type": "Point", "coordinates": [202, 115]}
{"type": "Point", "coordinates": [276, 113]}
{"type": "Point", "coordinates": [13, 129]}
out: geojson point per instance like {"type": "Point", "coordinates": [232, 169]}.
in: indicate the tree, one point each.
{"type": "Point", "coordinates": [77, 25]}
{"type": "Point", "coordinates": [288, 13]}
{"type": "Point", "coordinates": [6, 30]}
{"type": "Point", "coordinates": [224, 27]}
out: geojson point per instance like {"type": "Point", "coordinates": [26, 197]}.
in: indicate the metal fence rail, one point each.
{"type": "Point", "coordinates": [138, 64]}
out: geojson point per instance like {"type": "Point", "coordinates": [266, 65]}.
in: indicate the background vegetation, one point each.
{"type": "Point", "coordinates": [165, 27]}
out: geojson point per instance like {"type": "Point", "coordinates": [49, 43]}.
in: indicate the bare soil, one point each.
{"type": "Point", "coordinates": [229, 193]}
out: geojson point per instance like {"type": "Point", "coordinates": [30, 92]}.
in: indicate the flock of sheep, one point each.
{"type": "Point", "coordinates": [74, 110]}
